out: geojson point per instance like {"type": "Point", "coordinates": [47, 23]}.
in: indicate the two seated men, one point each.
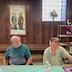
{"type": "Point", "coordinates": [19, 54]}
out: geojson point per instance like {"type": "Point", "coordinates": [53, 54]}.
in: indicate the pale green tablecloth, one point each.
{"type": "Point", "coordinates": [30, 68]}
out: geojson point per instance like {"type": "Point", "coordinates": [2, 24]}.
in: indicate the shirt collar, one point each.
{"type": "Point", "coordinates": [51, 50]}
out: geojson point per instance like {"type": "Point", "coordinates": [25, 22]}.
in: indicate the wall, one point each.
{"type": "Point", "coordinates": [38, 32]}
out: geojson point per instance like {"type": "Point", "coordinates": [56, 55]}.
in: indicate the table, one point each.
{"type": "Point", "coordinates": [30, 68]}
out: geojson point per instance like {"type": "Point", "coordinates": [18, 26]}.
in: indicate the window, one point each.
{"type": "Point", "coordinates": [48, 6]}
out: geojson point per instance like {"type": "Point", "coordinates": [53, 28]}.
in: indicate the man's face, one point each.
{"type": "Point", "coordinates": [55, 44]}
{"type": "Point", "coordinates": [14, 43]}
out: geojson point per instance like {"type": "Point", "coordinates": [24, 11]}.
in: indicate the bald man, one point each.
{"type": "Point", "coordinates": [17, 53]}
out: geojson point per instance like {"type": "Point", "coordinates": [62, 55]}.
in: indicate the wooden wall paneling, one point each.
{"type": "Point", "coordinates": [38, 32]}
{"type": "Point", "coordinates": [46, 33]}
{"type": "Point", "coordinates": [1, 22]}
{"type": "Point", "coordinates": [29, 23]}
{"type": "Point", "coordinates": [43, 32]}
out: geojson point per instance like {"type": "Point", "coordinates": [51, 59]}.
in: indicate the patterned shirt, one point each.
{"type": "Point", "coordinates": [17, 56]}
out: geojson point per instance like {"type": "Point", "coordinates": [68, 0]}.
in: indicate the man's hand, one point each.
{"type": "Point", "coordinates": [29, 60]}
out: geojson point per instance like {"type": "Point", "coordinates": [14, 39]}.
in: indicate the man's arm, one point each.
{"type": "Point", "coordinates": [4, 61]}
{"type": "Point", "coordinates": [69, 57]}
{"type": "Point", "coordinates": [65, 54]}
{"type": "Point", "coordinates": [45, 56]}
{"type": "Point", "coordinates": [29, 60]}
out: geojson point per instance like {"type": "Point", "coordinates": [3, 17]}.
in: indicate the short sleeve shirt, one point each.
{"type": "Point", "coordinates": [57, 58]}
{"type": "Point", "coordinates": [18, 55]}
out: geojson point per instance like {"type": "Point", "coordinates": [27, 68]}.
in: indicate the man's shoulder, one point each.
{"type": "Point", "coordinates": [10, 47]}
{"type": "Point", "coordinates": [23, 46]}
{"type": "Point", "coordinates": [47, 49]}
{"type": "Point", "coordinates": [61, 48]}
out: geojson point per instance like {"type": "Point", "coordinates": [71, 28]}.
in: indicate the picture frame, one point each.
{"type": "Point", "coordinates": [17, 20]}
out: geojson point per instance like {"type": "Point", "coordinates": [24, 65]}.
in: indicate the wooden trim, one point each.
{"type": "Point", "coordinates": [3, 47]}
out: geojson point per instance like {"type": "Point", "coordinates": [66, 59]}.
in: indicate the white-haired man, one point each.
{"type": "Point", "coordinates": [54, 54]}
{"type": "Point", "coordinates": [17, 53]}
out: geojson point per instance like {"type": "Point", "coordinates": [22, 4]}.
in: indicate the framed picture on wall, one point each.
{"type": "Point", "coordinates": [17, 20]}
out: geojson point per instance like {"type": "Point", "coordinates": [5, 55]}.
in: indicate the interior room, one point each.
{"type": "Point", "coordinates": [42, 20]}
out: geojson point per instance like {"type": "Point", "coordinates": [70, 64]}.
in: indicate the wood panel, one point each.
{"type": "Point", "coordinates": [38, 32]}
